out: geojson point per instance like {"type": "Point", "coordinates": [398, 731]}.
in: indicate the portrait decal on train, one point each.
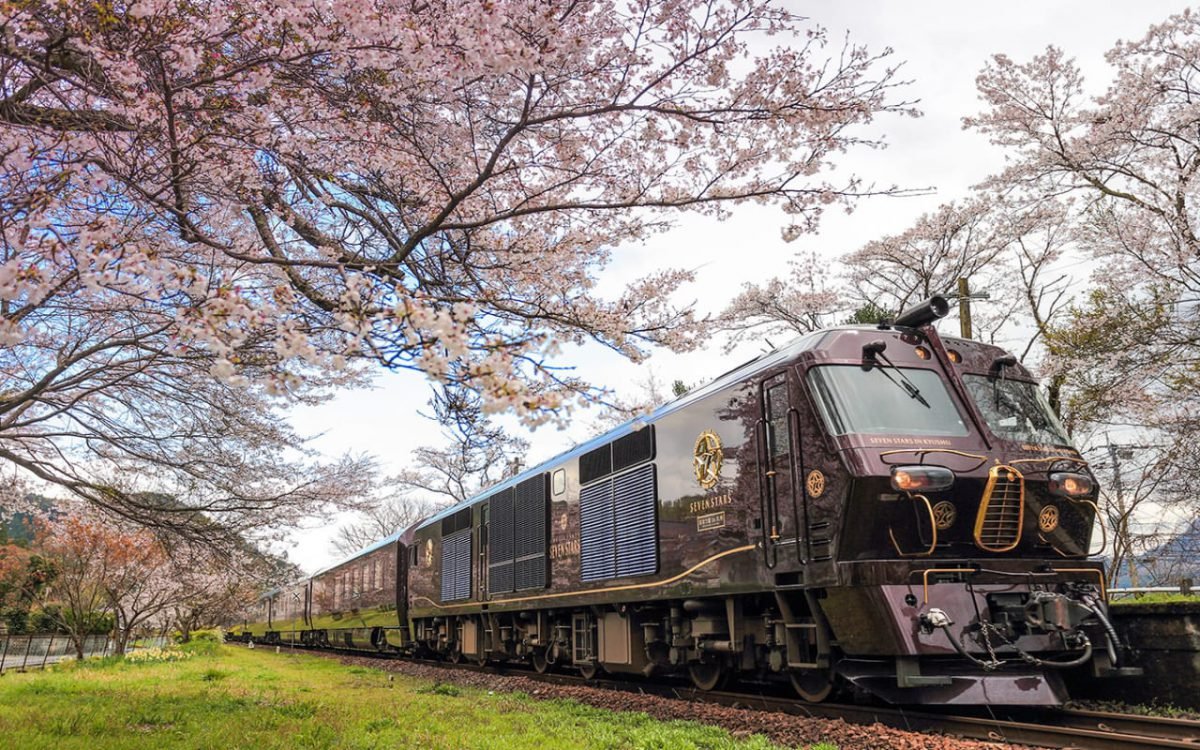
{"type": "Point", "coordinates": [707, 458]}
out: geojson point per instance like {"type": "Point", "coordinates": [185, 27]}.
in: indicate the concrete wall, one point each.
{"type": "Point", "coordinates": [1166, 642]}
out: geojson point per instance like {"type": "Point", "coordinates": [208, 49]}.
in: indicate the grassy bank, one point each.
{"type": "Point", "coordinates": [226, 697]}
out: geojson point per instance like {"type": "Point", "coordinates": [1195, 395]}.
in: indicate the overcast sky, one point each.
{"type": "Point", "coordinates": [943, 46]}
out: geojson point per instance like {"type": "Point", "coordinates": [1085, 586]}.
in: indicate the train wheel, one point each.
{"type": "Point", "coordinates": [707, 675]}
{"type": "Point", "coordinates": [540, 663]}
{"type": "Point", "coordinates": [455, 656]}
{"type": "Point", "coordinates": [589, 670]}
{"type": "Point", "coordinates": [812, 685]}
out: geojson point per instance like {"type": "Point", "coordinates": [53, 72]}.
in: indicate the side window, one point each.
{"type": "Point", "coordinates": [560, 482]}
{"type": "Point", "coordinates": [414, 556]}
{"type": "Point", "coordinates": [777, 418]}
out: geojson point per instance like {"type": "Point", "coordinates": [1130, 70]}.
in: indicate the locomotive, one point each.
{"type": "Point", "coordinates": [876, 509]}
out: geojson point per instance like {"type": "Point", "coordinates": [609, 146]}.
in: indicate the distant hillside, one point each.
{"type": "Point", "coordinates": [18, 528]}
{"type": "Point", "coordinates": [1177, 558]}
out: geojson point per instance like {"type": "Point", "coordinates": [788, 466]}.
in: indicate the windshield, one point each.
{"type": "Point", "coordinates": [1016, 410]}
{"type": "Point", "coordinates": [852, 399]}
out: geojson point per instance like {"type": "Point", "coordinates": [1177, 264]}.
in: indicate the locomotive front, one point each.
{"type": "Point", "coordinates": [966, 521]}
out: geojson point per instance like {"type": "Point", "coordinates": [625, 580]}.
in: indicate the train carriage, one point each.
{"type": "Point", "coordinates": [867, 507]}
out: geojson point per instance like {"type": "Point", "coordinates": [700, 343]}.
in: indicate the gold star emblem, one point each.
{"type": "Point", "coordinates": [1048, 519]}
{"type": "Point", "coordinates": [944, 514]}
{"type": "Point", "coordinates": [707, 458]}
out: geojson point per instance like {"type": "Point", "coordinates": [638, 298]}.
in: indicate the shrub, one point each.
{"type": "Point", "coordinates": [17, 620]}
{"type": "Point", "coordinates": [154, 655]}
{"type": "Point", "coordinates": [215, 635]}
{"type": "Point", "coordinates": [440, 688]}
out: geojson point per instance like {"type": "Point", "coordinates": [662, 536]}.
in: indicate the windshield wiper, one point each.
{"type": "Point", "coordinates": [999, 372]}
{"type": "Point", "coordinates": [873, 352]}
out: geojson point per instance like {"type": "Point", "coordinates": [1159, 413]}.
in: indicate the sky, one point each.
{"type": "Point", "coordinates": [943, 45]}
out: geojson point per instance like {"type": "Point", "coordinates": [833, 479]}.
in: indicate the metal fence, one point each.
{"type": "Point", "coordinates": [1185, 587]}
{"type": "Point", "coordinates": [21, 653]}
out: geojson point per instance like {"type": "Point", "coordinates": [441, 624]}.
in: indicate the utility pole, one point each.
{"type": "Point", "coordinates": [964, 298]}
{"type": "Point", "coordinates": [1123, 533]}
{"type": "Point", "coordinates": [964, 307]}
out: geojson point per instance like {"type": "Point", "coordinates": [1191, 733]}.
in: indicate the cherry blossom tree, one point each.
{"type": "Point", "coordinates": [473, 457]}
{"type": "Point", "coordinates": [1010, 248]}
{"type": "Point", "coordinates": [807, 300]}
{"type": "Point", "coordinates": [436, 187]}
{"type": "Point", "coordinates": [393, 513]}
{"type": "Point", "coordinates": [957, 240]}
{"type": "Point", "coordinates": [1131, 154]}
{"type": "Point", "coordinates": [210, 588]}
{"type": "Point", "coordinates": [79, 547]}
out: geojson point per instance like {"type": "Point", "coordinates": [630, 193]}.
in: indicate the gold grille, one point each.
{"type": "Point", "coordinates": [1002, 511]}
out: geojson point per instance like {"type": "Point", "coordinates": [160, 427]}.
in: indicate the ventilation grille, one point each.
{"type": "Point", "coordinates": [529, 536]}
{"type": "Point", "coordinates": [595, 464]}
{"type": "Point", "coordinates": [630, 450]}
{"type": "Point", "coordinates": [517, 537]}
{"type": "Point", "coordinates": [634, 448]}
{"type": "Point", "coordinates": [635, 509]}
{"type": "Point", "coordinates": [456, 522]}
{"type": "Point", "coordinates": [597, 543]}
{"type": "Point", "coordinates": [618, 526]}
{"type": "Point", "coordinates": [1002, 511]}
{"type": "Point", "coordinates": [456, 566]}
{"type": "Point", "coordinates": [500, 542]}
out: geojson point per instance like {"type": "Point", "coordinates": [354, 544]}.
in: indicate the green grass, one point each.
{"type": "Point", "coordinates": [1126, 601]}
{"type": "Point", "coordinates": [227, 698]}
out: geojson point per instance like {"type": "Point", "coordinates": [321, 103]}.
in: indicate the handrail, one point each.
{"type": "Point", "coordinates": [761, 459]}
{"type": "Point", "coordinates": [932, 525]}
{"type": "Point", "coordinates": [793, 419]}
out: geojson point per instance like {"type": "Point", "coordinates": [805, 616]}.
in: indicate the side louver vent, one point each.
{"type": "Point", "coordinates": [456, 565]}
{"type": "Point", "coordinates": [618, 521]}
{"type": "Point", "coordinates": [517, 537]}
{"type": "Point", "coordinates": [1002, 510]}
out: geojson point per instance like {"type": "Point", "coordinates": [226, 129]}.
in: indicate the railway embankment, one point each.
{"type": "Point", "coordinates": [1165, 639]}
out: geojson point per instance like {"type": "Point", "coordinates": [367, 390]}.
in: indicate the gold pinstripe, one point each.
{"type": "Point", "coordinates": [609, 589]}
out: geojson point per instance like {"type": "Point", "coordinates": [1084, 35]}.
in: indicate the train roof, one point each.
{"type": "Point", "coordinates": [742, 371]}
{"type": "Point", "coordinates": [364, 551]}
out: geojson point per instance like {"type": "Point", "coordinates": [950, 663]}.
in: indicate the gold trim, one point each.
{"type": "Point", "coordinates": [1049, 459]}
{"type": "Point", "coordinates": [1060, 553]}
{"type": "Point", "coordinates": [1103, 528]}
{"type": "Point", "coordinates": [981, 516]}
{"type": "Point", "coordinates": [932, 525]}
{"type": "Point", "coordinates": [922, 452]}
{"type": "Point", "coordinates": [626, 587]}
{"type": "Point", "coordinates": [926, 573]}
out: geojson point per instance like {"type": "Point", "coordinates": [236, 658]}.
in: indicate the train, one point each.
{"type": "Point", "coordinates": [868, 509]}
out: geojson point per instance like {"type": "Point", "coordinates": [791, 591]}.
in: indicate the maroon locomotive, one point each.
{"type": "Point", "coordinates": [869, 507]}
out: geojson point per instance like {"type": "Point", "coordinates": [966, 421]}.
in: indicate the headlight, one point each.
{"type": "Point", "coordinates": [921, 478]}
{"type": "Point", "coordinates": [1066, 484]}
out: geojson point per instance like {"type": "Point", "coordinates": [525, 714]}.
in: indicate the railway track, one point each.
{"type": "Point", "coordinates": [1051, 728]}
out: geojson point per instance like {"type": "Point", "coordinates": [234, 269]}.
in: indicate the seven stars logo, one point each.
{"type": "Point", "coordinates": [707, 458]}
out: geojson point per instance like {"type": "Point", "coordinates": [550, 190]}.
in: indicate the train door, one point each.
{"type": "Point", "coordinates": [782, 497]}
